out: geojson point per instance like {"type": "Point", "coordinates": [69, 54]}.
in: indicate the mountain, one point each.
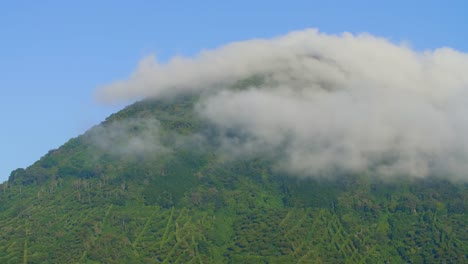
{"type": "Point", "coordinates": [152, 185]}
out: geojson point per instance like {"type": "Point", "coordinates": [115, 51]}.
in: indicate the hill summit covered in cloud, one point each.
{"type": "Point", "coordinates": [301, 149]}
{"type": "Point", "coordinates": [328, 102]}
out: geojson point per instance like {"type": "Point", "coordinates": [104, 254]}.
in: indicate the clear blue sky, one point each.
{"type": "Point", "coordinates": [53, 54]}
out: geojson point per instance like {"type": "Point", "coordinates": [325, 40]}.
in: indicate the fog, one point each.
{"type": "Point", "coordinates": [325, 102]}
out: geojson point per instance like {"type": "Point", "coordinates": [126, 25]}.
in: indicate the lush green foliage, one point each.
{"type": "Point", "coordinates": [83, 204]}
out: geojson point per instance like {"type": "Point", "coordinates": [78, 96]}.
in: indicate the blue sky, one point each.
{"type": "Point", "coordinates": [53, 54]}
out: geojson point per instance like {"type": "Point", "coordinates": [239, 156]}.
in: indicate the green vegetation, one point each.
{"type": "Point", "coordinates": [83, 203]}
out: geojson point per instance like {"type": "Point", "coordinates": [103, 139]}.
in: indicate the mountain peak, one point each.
{"type": "Point", "coordinates": [157, 182]}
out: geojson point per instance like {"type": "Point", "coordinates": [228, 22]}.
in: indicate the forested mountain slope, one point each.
{"type": "Point", "coordinates": [149, 185]}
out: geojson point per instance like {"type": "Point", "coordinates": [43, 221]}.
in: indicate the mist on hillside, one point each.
{"type": "Point", "coordinates": [325, 102]}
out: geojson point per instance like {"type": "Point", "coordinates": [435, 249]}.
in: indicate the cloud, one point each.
{"type": "Point", "coordinates": [327, 102]}
{"type": "Point", "coordinates": [135, 137]}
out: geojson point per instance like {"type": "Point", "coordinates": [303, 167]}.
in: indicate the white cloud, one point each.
{"type": "Point", "coordinates": [346, 101]}
{"type": "Point", "coordinates": [136, 137]}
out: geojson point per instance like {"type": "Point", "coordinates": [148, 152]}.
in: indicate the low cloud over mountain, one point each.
{"type": "Point", "coordinates": [326, 102]}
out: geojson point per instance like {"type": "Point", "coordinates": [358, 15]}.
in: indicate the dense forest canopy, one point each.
{"type": "Point", "coordinates": [182, 200]}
